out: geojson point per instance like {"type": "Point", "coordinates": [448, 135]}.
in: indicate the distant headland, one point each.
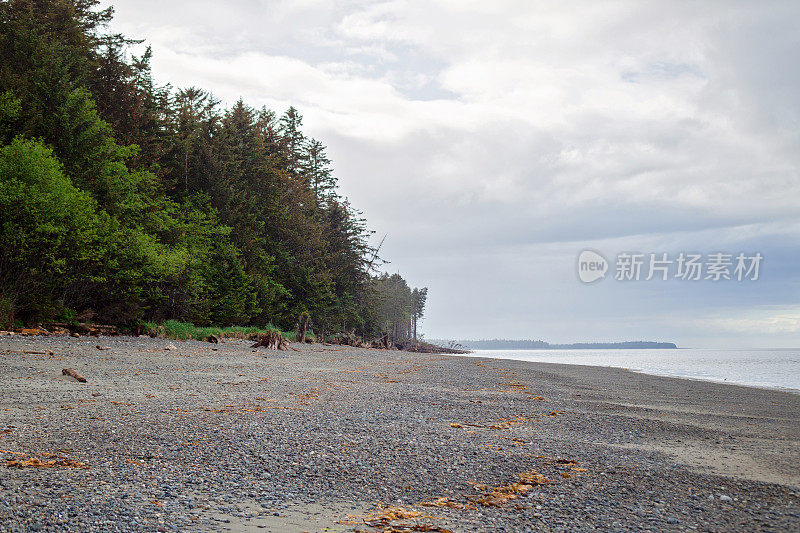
{"type": "Point", "coordinates": [504, 344]}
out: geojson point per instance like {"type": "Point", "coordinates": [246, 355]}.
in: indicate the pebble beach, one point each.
{"type": "Point", "coordinates": [169, 435]}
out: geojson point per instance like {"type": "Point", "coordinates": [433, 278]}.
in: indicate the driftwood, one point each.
{"type": "Point", "coordinates": [72, 372]}
{"type": "Point", "coordinates": [424, 347]}
{"type": "Point", "coordinates": [349, 338]}
{"type": "Point", "coordinates": [272, 340]}
{"type": "Point", "coordinates": [84, 328]}
{"type": "Point", "coordinates": [380, 344]}
{"type": "Point", "coordinates": [34, 331]}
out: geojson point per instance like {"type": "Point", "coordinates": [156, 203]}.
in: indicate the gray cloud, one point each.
{"type": "Point", "coordinates": [492, 141]}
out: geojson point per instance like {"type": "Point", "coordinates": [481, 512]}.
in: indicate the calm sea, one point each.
{"type": "Point", "coordinates": [759, 368]}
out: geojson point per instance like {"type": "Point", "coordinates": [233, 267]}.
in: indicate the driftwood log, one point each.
{"type": "Point", "coordinates": [272, 340]}
{"type": "Point", "coordinates": [72, 372]}
{"type": "Point", "coordinates": [95, 330]}
{"type": "Point", "coordinates": [348, 338]}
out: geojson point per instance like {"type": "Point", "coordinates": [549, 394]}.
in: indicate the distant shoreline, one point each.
{"type": "Point", "coordinates": [502, 344]}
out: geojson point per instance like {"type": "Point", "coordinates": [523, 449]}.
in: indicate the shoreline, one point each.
{"type": "Point", "coordinates": [224, 437]}
{"type": "Point", "coordinates": [665, 373]}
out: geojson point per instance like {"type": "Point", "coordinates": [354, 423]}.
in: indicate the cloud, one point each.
{"type": "Point", "coordinates": [483, 136]}
{"type": "Point", "coordinates": [774, 321]}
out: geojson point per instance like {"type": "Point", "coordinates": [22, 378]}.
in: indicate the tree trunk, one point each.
{"type": "Point", "coordinates": [302, 327]}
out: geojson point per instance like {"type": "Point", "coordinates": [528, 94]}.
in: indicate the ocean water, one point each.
{"type": "Point", "coordinates": [758, 368]}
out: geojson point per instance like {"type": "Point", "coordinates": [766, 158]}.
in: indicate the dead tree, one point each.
{"type": "Point", "coordinates": [272, 340]}
{"type": "Point", "coordinates": [302, 327]}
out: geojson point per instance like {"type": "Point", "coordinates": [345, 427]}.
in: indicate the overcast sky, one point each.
{"type": "Point", "coordinates": [493, 141]}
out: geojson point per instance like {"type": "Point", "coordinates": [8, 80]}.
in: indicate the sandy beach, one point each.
{"type": "Point", "coordinates": [224, 437]}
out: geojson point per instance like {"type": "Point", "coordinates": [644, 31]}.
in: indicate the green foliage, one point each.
{"type": "Point", "coordinates": [50, 230]}
{"type": "Point", "coordinates": [6, 313]}
{"type": "Point", "coordinates": [174, 329]}
{"type": "Point", "coordinates": [292, 336]}
{"type": "Point", "coordinates": [10, 108]}
{"type": "Point", "coordinates": [133, 202]}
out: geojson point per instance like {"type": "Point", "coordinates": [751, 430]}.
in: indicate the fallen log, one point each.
{"type": "Point", "coordinates": [84, 328]}
{"type": "Point", "coordinates": [72, 372]}
{"type": "Point", "coordinates": [34, 331]}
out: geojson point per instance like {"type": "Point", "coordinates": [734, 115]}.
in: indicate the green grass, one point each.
{"type": "Point", "coordinates": [292, 336]}
{"type": "Point", "coordinates": [173, 329]}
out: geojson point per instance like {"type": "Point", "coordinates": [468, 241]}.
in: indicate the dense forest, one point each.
{"type": "Point", "coordinates": [122, 200]}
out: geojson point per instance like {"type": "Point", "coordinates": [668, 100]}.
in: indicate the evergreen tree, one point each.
{"type": "Point", "coordinates": [132, 201]}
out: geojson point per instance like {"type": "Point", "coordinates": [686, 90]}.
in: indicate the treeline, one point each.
{"type": "Point", "coordinates": [122, 200]}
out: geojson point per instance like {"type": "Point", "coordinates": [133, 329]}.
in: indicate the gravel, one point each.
{"type": "Point", "coordinates": [223, 437]}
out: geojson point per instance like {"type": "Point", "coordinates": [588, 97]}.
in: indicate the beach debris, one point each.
{"type": "Point", "coordinates": [34, 331]}
{"type": "Point", "coordinates": [213, 339]}
{"type": "Point", "coordinates": [248, 407]}
{"type": "Point", "coordinates": [498, 423]}
{"type": "Point", "coordinates": [83, 328]}
{"type": "Point", "coordinates": [52, 461]}
{"type": "Point", "coordinates": [515, 386]}
{"type": "Point", "coordinates": [73, 373]}
{"type": "Point", "coordinates": [348, 338]}
{"type": "Point", "coordinates": [498, 496]}
{"type": "Point", "coordinates": [272, 340]}
{"type": "Point", "coordinates": [403, 528]}
{"type": "Point", "coordinates": [102, 347]}
{"type": "Point", "coordinates": [170, 347]}
{"type": "Point", "coordinates": [444, 501]}
{"type": "Point", "coordinates": [383, 517]}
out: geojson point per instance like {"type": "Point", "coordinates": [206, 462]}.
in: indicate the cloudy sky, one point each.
{"type": "Point", "coordinates": [493, 141]}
